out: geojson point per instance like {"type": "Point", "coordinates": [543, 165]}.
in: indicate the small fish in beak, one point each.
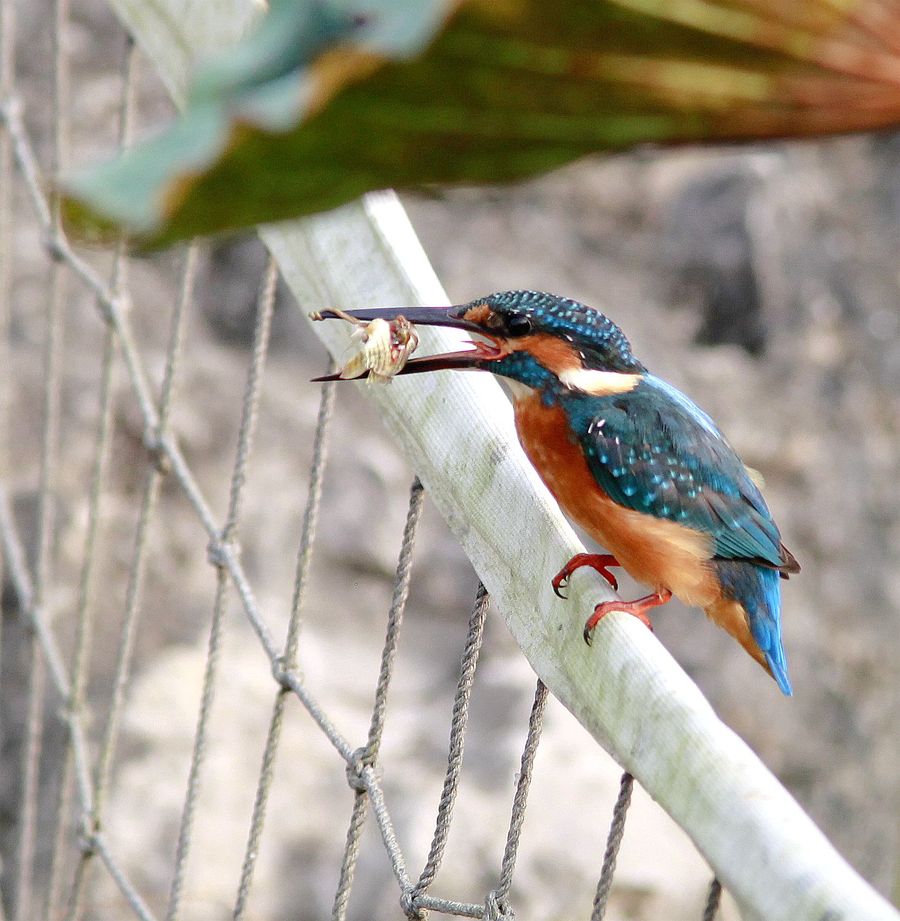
{"type": "Point", "coordinates": [379, 348]}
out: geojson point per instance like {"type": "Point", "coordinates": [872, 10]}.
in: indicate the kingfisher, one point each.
{"type": "Point", "coordinates": [632, 460]}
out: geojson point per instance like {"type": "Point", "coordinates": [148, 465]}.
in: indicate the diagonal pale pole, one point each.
{"type": "Point", "coordinates": [457, 432]}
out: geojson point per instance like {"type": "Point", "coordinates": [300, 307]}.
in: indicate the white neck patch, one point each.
{"type": "Point", "coordinates": [599, 383]}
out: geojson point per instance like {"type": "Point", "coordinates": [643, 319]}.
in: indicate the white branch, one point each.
{"type": "Point", "coordinates": [456, 429]}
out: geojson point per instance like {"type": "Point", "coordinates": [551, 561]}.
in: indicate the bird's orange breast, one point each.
{"type": "Point", "coordinates": [663, 554]}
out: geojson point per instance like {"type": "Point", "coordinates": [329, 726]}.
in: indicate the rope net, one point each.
{"type": "Point", "coordinates": [72, 736]}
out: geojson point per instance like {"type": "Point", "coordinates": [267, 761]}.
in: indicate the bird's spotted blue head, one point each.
{"type": "Point", "coordinates": [555, 330]}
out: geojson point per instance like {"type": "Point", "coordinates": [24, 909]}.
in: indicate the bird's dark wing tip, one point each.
{"type": "Point", "coordinates": [789, 564]}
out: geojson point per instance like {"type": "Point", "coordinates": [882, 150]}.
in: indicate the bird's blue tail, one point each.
{"type": "Point", "coordinates": [759, 592]}
{"type": "Point", "coordinates": [765, 625]}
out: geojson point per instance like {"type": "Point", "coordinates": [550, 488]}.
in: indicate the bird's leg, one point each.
{"type": "Point", "coordinates": [638, 608]}
{"type": "Point", "coordinates": [598, 561]}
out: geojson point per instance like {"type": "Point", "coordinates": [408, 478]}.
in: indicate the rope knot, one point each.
{"type": "Point", "coordinates": [222, 549]}
{"type": "Point", "coordinates": [497, 907]}
{"type": "Point", "coordinates": [109, 307]}
{"type": "Point", "coordinates": [55, 248]}
{"type": "Point", "coordinates": [355, 767]}
{"type": "Point", "coordinates": [412, 911]}
{"type": "Point", "coordinates": [281, 671]}
{"type": "Point", "coordinates": [87, 835]}
{"type": "Point", "coordinates": [156, 450]}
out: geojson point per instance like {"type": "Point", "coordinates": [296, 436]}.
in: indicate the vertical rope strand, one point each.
{"type": "Point", "coordinates": [457, 743]}
{"type": "Point", "coordinates": [75, 704]}
{"type": "Point", "coordinates": [247, 430]}
{"type": "Point", "coordinates": [613, 842]}
{"type": "Point", "coordinates": [517, 817]}
{"type": "Point", "coordinates": [310, 522]}
{"type": "Point", "coordinates": [376, 727]}
{"type": "Point", "coordinates": [30, 779]}
{"type": "Point", "coordinates": [53, 354]}
{"type": "Point", "coordinates": [134, 594]}
{"type": "Point", "coordinates": [260, 802]}
{"type": "Point", "coordinates": [350, 856]}
{"type": "Point", "coordinates": [7, 85]}
{"type": "Point", "coordinates": [713, 898]}
{"type": "Point", "coordinates": [395, 619]}
{"type": "Point", "coordinates": [288, 661]}
{"type": "Point", "coordinates": [84, 616]}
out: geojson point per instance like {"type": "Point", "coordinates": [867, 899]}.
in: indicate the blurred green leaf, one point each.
{"type": "Point", "coordinates": [326, 101]}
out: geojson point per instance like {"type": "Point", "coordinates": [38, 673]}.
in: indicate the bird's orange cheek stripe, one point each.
{"type": "Point", "coordinates": [553, 353]}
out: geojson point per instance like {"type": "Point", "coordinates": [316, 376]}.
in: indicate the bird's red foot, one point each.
{"type": "Point", "coordinates": [598, 561]}
{"type": "Point", "coordinates": [638, 608]}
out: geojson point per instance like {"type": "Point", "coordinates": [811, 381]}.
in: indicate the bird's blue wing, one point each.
{"type": "Point", "coordinates": [654, 451]}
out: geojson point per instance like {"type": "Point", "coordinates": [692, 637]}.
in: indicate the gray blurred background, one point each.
{"type": "Point", "coordinates": [761, 281]}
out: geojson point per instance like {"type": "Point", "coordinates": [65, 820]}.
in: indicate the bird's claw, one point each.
{"type": "Point", "coordinates": [598, 561]}
{"type": "Point", "coordinates": [637, 608]}
{"type": "Point", "coordinates": [599, 612]}
{"type": "Point", "coordinates": [560, 581]}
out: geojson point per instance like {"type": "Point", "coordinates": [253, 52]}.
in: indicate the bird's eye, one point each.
{"type": "Point", "coordinates": [518, 325]}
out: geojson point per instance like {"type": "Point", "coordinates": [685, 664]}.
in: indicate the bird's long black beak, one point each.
{"type": "Point", "coordinates": [418, 316]}
{"type": "Point", "coordinates": [426, 316]}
